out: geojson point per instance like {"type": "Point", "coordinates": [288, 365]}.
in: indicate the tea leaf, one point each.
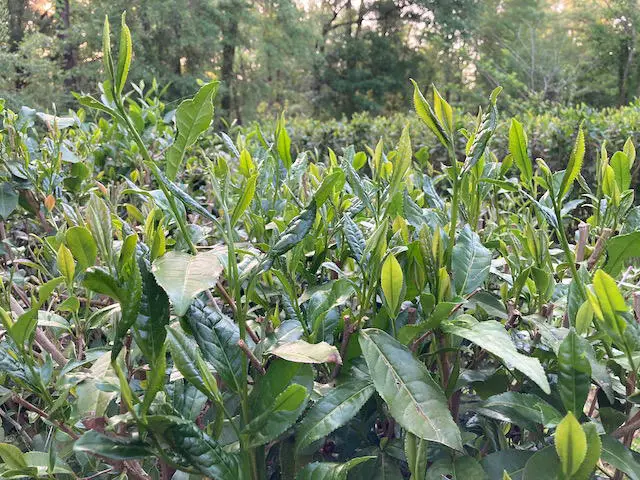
{"type": "Point", "coordinates": [414, 399]}
{"type": "Point", "coordinates": [571, 444]}
{"type": "Point", "coordinates": [193, 117]}
{"type": "Point", "coordinates": [183, 276]}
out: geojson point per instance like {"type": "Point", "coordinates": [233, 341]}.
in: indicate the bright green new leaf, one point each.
{"type": "Point", "coordinates": [300, 351]}
{"type": "Point", "coordinates": [574, 166]}
{"type": "Point", "coordinates": [193, 117]}
{"type": "Point", "coordinates": [334, 181]}
{"type": "Point", "coordinates": [428, 116]}
{"type": "Point", "coordinates": [518, 150]}
{"type": "Point", "coordinates": [571, 444]}
{"type": "Point", "coordinates": [629, 150]}
{"type": "Point", "coordinates": [391, 280]}
{"type": "Point", "coordinates": [607, 303]}
{"type": "Point", "coordinates": [12, 456]}
{"type": "Point", "coordinates": [82, 246]}
{"type": "Point", "coordinates": [107, 59]}
{"type": "Point", "coordinates": [283, 142]}
{"type": "Point", "coordinates": [621, 166]}
{"type": "Point", "coordinates": [65, 262]}
{"type": "Point", "coordinates": [245, 199]}
{"type": "Point", "coordinates": [124, 56]}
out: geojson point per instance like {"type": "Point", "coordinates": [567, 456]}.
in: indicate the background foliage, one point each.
{"type": "Point", "coordinates": [332, 58]}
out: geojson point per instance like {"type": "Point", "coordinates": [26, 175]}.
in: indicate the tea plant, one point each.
{"type": "Point", "coordinates": [261, 314]}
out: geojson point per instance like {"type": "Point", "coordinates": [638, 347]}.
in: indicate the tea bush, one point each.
{"type": "Point", "coordinates": [550, 133]}
{"type": "Point", "coordinates": [178, 304]}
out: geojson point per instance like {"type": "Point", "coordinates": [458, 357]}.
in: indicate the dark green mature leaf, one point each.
{"type": "Point", "coordinates": [111, 447]}
{"type": "Point", "coordinates": [153, 316]}
{"type": "Point", "coordinates": [414, 399]}
{"type": "Point", "coordinates": [82, 246]}
{"type": "Point", "coordinates": [271, 423]}
{"type": "Point", "coordinates": [470, 263]}
{"type": "Point", "coordinates": [193, 117]}
{"type": "Point", "coordinates": [594, 448]}
{"type": "Point", "coordinates": [620, 457]}
{"type": "Point", "coordinates": [8, 200]}
{"type": "Point", "coordinates": [217, 336]}
{"type": "Point", "coordinates": [574, 166]}
{"type": "Point", "coordinates": [296, 231]}
{"type": "Point", "coordinates": [335, 180]}
{"type": "Point", "coordinates": [187, 401]}
{"type": "Point", "coordinates": [99, 281]}
{"type": "Point", "coordinates": [510, 460]}
{"type": "Point", "coordinates": [333, 410]}
{"type": "Point", "coordinates": [574, 372]}
{"type": "Point", "coordinates": [619, 249]}
{"type": "Point", "coordinates": [543, 465]}
{"type": "Point", "coordinates": [130, 300]}
{"type": "Point", "coordinates": [458, 468]}
{"type": "Point", "coordinates": [354, 180]}
{"type": "Point", "coordinates": [523, 409]}
{"type": "Point", "coordinates": [330, 471]}
{"type": "Point", "coordinates": [416, 451]}
{"type": "Point", "coordinates": [280, 374]}
{"type": "Point", "coordinates": [196, 449]}
{"type": "Point", "coordinates": [492, 336]}
{"type": "Point", "coordinates": [185, 358]}
{"type": "Point", "coordinates": [354, 237]}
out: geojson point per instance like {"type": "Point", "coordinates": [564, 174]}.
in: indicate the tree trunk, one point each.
{"type": "Point", "coordinates": [227, 73]}
{"type": "Point", "coordinates": [69, 59]}
{"type": "Point", "coordinates": [16, 12]}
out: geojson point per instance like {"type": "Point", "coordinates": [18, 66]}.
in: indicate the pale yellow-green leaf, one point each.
{"type": "Point", "coordinates": [571, 444]}
{"type": "Point", "coordinates": [391, 280]}
{"type": "Point", "coordinates": [574, 166]}
{"type": "Point", "coordinates": [245, 199]}
{"type": "Point", "coordinates": [66, 264]}
{"type": "Point", "coordinates": [304, 352]}
{"type": "Point", "coordinates": [183, 276]}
